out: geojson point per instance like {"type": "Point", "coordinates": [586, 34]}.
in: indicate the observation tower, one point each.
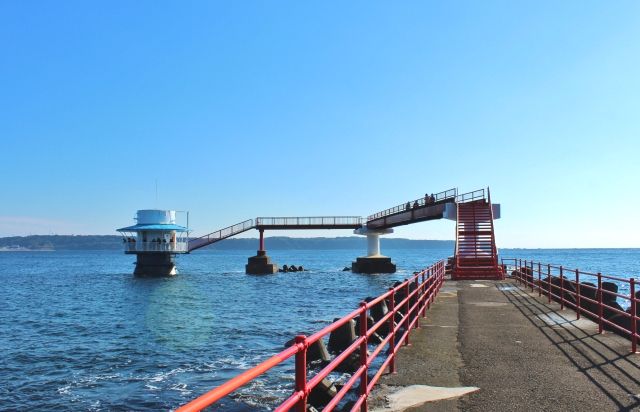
{"type": "Point", "coordinates": [155, 239]}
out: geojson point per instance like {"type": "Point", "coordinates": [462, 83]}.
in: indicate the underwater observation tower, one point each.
{"type": "Point", "coordinates": [155, 239]}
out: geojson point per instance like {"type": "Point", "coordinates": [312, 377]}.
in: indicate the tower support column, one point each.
{"type": "Point", "coordinates": [155, 265]}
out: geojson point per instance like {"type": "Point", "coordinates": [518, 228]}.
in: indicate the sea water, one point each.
{"type": "Point", "coordinates": [78, 331]}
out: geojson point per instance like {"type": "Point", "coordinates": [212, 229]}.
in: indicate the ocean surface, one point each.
{"type": "Point", "coordinates": [78, 331]}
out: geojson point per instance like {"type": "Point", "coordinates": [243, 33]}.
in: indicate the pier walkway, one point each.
{"type": "Point", "coordinates": [521, 352]}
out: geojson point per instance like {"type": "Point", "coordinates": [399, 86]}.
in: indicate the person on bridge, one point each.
{"type": "Point", "coordinates": [415, 204]}
{"type": "Point", "coordinates": [408, 207]}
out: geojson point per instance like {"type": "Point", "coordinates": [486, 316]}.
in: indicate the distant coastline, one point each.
{"type": "Point", "coordinates": [114, 242]}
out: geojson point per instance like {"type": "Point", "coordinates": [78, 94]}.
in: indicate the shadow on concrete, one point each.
{"type": "Point", "coordinates": [605, 359]}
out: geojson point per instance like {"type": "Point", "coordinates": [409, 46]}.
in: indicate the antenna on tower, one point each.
{"type": "Point", "coordinates": [156, 192]}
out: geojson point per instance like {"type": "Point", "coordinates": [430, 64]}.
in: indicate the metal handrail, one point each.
{"type": "Point", "coordinates": [568, 287]}
{"type": "Point", "coordinates": [471, 196]}
{"type": "Point", "coordinates": [494, 248]}
{"type": "Point", "coordinates": [177, 246]}
{"type": "Point", "coordinates": [309, 221]}
{"type": "Point", "coordinates": [220, 234]}
{"type": "Point", "coordinates": [424, 201]}
{"type": "Point", "coordinates": [414, 305]}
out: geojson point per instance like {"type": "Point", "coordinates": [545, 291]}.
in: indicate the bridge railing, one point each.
{"type": "Point", "coordinates": [423, 201]}
{"type": "Point", "coordinates": [220, 234]}
{"type": "Point", "coordinates": [407, 302]}
{"type": "Point", "coordinates": [310, 221]}
{"type": "Point", "coordinates": [591, 294]}
{"type": "Point", "coordinates": [471, 196]}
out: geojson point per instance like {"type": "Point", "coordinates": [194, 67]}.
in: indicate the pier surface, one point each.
{"type": "Point", "coordinates": [521, 352]}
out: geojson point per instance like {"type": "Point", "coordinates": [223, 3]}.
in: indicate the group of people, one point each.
{"type": "Point", "coordinates": [429, 199]}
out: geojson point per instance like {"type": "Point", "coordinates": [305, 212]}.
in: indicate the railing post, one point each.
{"type": "Point", "coordinates": [634, 326]}
{"type": "Point", "coordinates": [363, 355]}
{"type": "Point", "coordinates": [301, 372]}
{"type": "Point", "coordinates": [407, 318]}
{"type": "Point", "coordinates": [561, 288]}
{"type": "Point", "coordinates": [425, 287]}
{"type": "Point", "coordinates": [539, 279]}
{"type": "Point", "coordinates": [432, 288]}
{"type": "Point", "coordinates": [392, 331]}
{"type": "Point", "coordinates": [531, 276]}
{"type": "Point", "coordinates": [549, 283]}
{"type": "Point", "coordinates": [418, 301]}
{"type": "Point", "coordinates": [599, 302]}
{"type": "Point", "coordinates": [578, 292]}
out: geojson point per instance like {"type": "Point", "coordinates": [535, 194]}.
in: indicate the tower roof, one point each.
{"type": "Point", "coordinates": [155, 226]}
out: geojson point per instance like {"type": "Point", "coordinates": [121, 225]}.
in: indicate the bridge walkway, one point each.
{"type": "Point", "coordinates": [430, 207]}
{"type": "Point", "coordinates": [277, 223]}
{"type": "Point", "coordinates": [520, 351]}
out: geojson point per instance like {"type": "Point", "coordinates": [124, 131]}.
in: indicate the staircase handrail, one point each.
{"type": "Point", "coordinates": [494, 248]}
{"type": "Point", "coordinates": [221, 234]}
{"type": "Point", "coordinates": [457, 251]}
{"type": "Point", "coordinates": [440, 197]}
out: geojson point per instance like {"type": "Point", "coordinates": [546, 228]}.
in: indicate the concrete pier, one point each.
{"type": "Point", "coordinates": [374, 262]}
{"type": "Point", "coordinates": [509, 350]}
{"type": "Point", "coordinates": [260, 264]}
{"type": "Point", "coordinates": [155, 265]}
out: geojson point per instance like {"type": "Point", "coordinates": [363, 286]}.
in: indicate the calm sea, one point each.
{"type": "Point", "coordinates": [78, 331]}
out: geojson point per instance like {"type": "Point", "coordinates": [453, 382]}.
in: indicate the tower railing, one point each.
{"type": "Point", "coordinates": [180, 246]}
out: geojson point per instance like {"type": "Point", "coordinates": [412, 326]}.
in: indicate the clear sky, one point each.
{"type": "Point", "coordinates": [267, 108]}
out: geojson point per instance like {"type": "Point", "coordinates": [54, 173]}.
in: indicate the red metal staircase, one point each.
{"type": "Point", "coordinates": [476, 253]}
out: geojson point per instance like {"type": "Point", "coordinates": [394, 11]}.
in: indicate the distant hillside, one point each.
{"type": "Point", "coordinates": [114, 242]}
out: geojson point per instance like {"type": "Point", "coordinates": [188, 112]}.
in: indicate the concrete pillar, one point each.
{"type": "Point", "coordinates": [373, 244]}
{"type": "Point", "coordinates": [374, 262]}
{"type": "Point", "coordinates": [260, 264]}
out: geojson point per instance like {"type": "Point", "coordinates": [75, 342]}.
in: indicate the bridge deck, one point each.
{"type": "Point", "coordinates": [520, 351]}
{"type": "Point", "coordinates": [412, 215]}
{"type": "Point", "coordinates": [316, 222]}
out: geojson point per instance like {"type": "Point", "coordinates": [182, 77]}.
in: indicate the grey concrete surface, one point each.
{"type": "Point", "coordinates": [522, 352]}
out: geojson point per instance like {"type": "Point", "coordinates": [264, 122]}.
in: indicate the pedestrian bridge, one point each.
{"type": "Point", "coordinates": [430, 207]}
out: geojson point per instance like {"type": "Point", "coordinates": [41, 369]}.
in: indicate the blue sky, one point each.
{"type": "Point", "coordinates": [244, 109]}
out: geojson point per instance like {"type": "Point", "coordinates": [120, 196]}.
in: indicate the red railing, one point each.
{"type": "Point", "coordinates": [591, 294]}
{"type": "Point", "coordinates": [407, 302]}
{"type": "Point", "coordinates": [494, 248]}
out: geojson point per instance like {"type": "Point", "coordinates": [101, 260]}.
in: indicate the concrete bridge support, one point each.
{"type": "Point", "coordinates": [260, 264]}
{"type": "Point", "coordinates": [374, 262]}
